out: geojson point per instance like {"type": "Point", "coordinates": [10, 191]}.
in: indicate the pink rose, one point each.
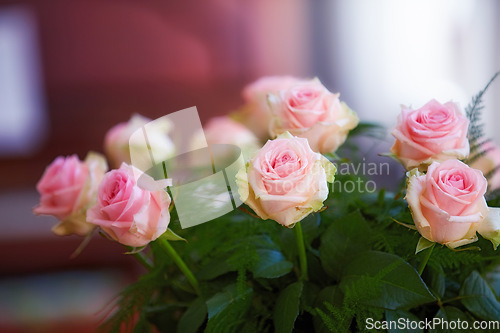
{"type": "Point", "coordinates": [435, 132]}
{"type": "Point", "coordinates": [117, 141]}
{"type": "Point", "coordinates": [286, 180]}
{"type": "Point", "coordinates": [489, 163]}
{"type": "Point", "coordinates": [256, 114]}
{"type": "Point", "coordinates": [127, 213]}
{"type": "Point", "coordinates": [67, 188]}
{"type": "Point", "coordinates": [224, 130]}
{"type": "Point", "coordinates": [447, 203]}
{"type": "Point", "coordinates": [308, 110]}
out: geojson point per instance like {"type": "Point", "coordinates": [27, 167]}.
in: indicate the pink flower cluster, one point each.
{"type": "Point", "coordinates": [447, 201]}
{"type": "Point", "coordinates": [287, 178]}
{"type": "Point", "coordinates": [81, 195]}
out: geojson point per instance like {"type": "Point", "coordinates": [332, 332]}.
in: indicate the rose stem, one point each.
{"type": "Point", "coordinates": [302, 251]}
{"type": "Point", "coordinates": [179, 262]}
{"type": "Point", "coordinates": [144, 262]}
{"type": "Point", "coordinates": [426, 257]}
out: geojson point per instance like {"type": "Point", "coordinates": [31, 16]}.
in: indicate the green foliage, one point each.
{"type": "Point", "coordinates": [133, 301]}
{"type": "Point", "coordinates": [476, 128]}
{"type": "Point", "coordinates": [478, 297]}
{"type": "Point", "coordinates": [361, 264]}
{"type": "Point", "coordinates": [384, 280]}
{"type": "Point", "coordinates": [287, 307]}
{"type": "Point", "coordinates": [397, 315]}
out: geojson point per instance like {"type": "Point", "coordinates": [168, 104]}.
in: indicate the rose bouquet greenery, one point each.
{"type": "Point", "coordinates": [422, 257]}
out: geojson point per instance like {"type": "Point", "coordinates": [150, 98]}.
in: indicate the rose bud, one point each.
{"type": "Point", "coordinates": [285, 181]}
{"type": "Point", "coordinates": [128, 213]}
{"type": "Point", "coordinates": [435, 132]}
{"type": "Point", "coordinates": [67, 188]}
{"type": "Point", "coordinates": [447, 203]}
{"type": "Point", "coordinates": [308, 110]}
{"type": "Point", "coordinates": [117, 145]}
{"type": "Point", "coordinates": [256, 114]}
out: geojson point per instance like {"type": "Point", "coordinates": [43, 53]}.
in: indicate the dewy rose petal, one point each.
{"type": "Point", "coordinates": [67, 188]}
{"type": "Point", "coordinates": [435, 132]}
{"type": "Point", "coordinates": [127, 213]}
{"type": "Point", "coordinates": [286, 180]}
{"type": "Point", "coordinates": [447, 203]}
{"type": "Point", "coordinates": [308, 110]}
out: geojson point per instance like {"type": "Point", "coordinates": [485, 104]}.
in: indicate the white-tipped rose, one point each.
{"type": "Point", "coordinates": [435, 132]}
{"type": "Point", "coordinates": [447, 203]}
{"type": "Point", "coordinates": [286, 180]}
{"type": "Point", "coordinates": [490, 227]}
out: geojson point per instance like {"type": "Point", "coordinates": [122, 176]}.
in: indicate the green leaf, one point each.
{"type": "Point", "coordinates": [194, 316]}
{"type": "Point", "coordinates": [493, 279]}
{"type": "Point", "coordinates": [447, 315]}
{"type": "Point", "coordinates": [400, 316]}
{"type": "Point", "coordinates": [134, 250]}
{"type": "Point", "coordinates": [345, 238]}
{"type": "Point", "coordinates": [271, 264]}
{"type": "Point", "coordinates": [384, 280]}
{"type": "Point", "coordinates": [369, 129]}
{"type": "Point", "coordinates": [309, 295]}
{"type": "Point", "coordinates": [261, 242]}
{"type": "Point", "coordinates": [287, 307]}
{"type": "Point", "coordinates": [172, 236]}
{"type": "Point", "coordinates": [220, 301]}
{"type": "Point", "coordinates": [340, 320]}
{"type": "Point", "coordinates": [215, 268]}
{"type": "Point", "coordinates": [423, 244]}
{"type": "Point", "coordinates": [435, 280]}
{"type": "Point", "coordinates": [478, 297]}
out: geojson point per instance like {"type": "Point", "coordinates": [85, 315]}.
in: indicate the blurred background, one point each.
{"type": "Point", "coordinates": [70, 70]}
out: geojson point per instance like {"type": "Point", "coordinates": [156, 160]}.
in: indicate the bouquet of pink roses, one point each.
{"type": "Point", "coordinates": [336, 260]}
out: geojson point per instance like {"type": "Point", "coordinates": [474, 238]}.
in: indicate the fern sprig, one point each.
{"type": "Point", "coordinates": [473, 112]}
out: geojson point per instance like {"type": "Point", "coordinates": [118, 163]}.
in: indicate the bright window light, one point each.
{"type": "Point", "coordinates": [22, 114]}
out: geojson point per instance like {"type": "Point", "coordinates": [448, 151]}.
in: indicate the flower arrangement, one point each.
{"type": "Point", "coordinates": [421, 257]}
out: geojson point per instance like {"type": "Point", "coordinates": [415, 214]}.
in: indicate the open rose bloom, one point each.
{"type": "Point", "coordinates": [67, 188]}
{"type": "Point", "coordinates": [128, 213]}
{"type": "Point", "coordinates": [256, 114]}
{"type": "Point", "coordinates": [435, 132]}
{"type": "Point", "coordinates": [308, 110]}
{"type": "Point", "coordinates": [286, 180]}
{"type": "Point", "coordinates": [448, 204]}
